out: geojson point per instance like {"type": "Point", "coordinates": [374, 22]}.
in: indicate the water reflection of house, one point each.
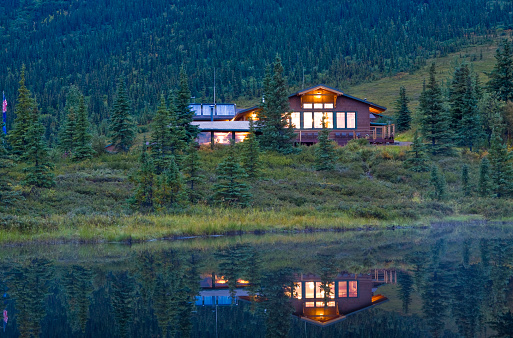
{"type": "Point", "coordinates": [347, 117]}
{"type": "Point", "coordinates": [348, 294]}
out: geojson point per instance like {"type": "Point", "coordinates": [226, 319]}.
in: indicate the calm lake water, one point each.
{"type": "Point", "coordinates": [450, 281]}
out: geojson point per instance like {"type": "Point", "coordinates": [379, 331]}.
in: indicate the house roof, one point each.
{"type": "Point", "coordinates": [222, 125]}
{"type": "Point", "coordinates": [339, 93]}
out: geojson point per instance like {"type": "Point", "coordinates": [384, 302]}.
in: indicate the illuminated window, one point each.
{"type": "Point", "coordinates": [307, 120]}
{"type": "Point", "coordinates": [298, 291]}
{"type": "Point", "coordinates": [332, 290]}
{"type": "Point", "coordinates": [331, 304]}
{"type": "Point", "coordinates": [318, 120]}
{"type": "Point", "coordinates": [329, 119]}
{"type": "Point", "coordinates": [342, 289]}
{"type": "Point", "coordinates": [328, 105]}
{"type": "Point", "coordinates": [309, 304]}
{"type": "Point", "coordinates": [309, 289]}
{"type": "Point", "coordinates": [295, 118]}
{"type": "Point", "coordinates": [353, 289]}
{"type": "Point", "coordinates": [320, 292]}
{"type": "Point", "coordinates": [307, 105]}
{"type": "Point", "coordinates": [351, 120]}
{"type": "Point", "coordinates": [341, 120]}
{"type": "Point", "coordinates": [317, 105]}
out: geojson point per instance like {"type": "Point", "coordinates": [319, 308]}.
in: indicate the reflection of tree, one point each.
{"type": "Point", "coordinates": [276, 286]}
{"type": "Point", "coordinates": [503, 324]}
{"type": "Point", "coordinates": [77, 282]}
{"type": "Point", "coordinates": [234, 264]}
{"type": "Point", "coordinates": [405, 281]}
{"type": "Point", "coordinates": [468, 289]}
{"type": "Point", "coordinates": [327, 272]}
{"type": "Point", "coordinates": [122, 298]}
{"type": "Point", "coordinates": [436, 291]}
{"type": "Point", "coordinates": [29, 285]}
{"type": "Point", "coordinates": [500, 274]}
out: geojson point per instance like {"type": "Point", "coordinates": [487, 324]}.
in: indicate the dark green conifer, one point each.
{"type": "Point", "coordinates": [82, 138]}
{"type": "Point", "coordinates": [465, 181]}
{"type": "Point", "coordinates": [144, 181]}
{"type": "Point", "coordinates": [161, 137]}
{"type": "Point", "coordinates": [36, 154]}
{"type": "Point", "coordinates": [485, 182]}
{"type": "Point", "coordinates": [8, 196]}
{"type": "Point", "coordinates": [457, 92]}
{"type": "Point", "coordinates": [470, 131]}
{"type": "Point", "coordinates": [192, 171]}
{"type": "Point", "coordinates": [402, 112]}
{"type": "Point", "coordinates": [230, 188]}
{"type": "Point", "coordinates": [434, 117]}
{"type": "Point", "coordinates": [171, 190]}
{"type": "Point", "coordinates": [122, 126]}
{"type": "Point", "coordinates": [251, 153]}
{"type": "Point", "coordinates": [273, 119]}
{"type": "Point", "coordinates": [500, 160]}
{"type": "Point", "coordinates": [501, 82]}
{"type": "Point", "coordinates": [178, 132]}
{"type": "Point", "coordinates": [67, 134]}
{"type": "Point", "coordinates": [184, 113]}
{"type": "Point", "coordinates": [325, 155]}
{"type": "Point", "coordinates": [417, 159]}
{"type": "Point", "coordinates": [24, 119]}
{"type": "Point", "coordinates": [438, 182]}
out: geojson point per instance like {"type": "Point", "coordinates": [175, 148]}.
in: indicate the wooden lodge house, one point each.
{"type": "Point", "coordinates": [347, 117]}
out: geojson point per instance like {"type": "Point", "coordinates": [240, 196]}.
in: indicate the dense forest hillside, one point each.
{"type": "Point", "coordinates": [91, 43]}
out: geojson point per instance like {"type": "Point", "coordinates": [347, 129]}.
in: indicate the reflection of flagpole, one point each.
{"type": "Point", "coordinates": [4, 113]}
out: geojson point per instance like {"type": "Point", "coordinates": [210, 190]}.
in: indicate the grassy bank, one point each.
{"type": "Point", "coordinates": [370, 187]}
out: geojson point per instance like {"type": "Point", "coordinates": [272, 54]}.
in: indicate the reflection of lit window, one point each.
{"type": "Point", "coordinates": [328, 105]}
{"type": "Point", "coordinates": [351, 120]}
{"type": "Point", "coordinates": [307, 105]}
{"type": "Point", "coordinates": [298, 291]}
{"type": "Point", "coordinates": [317, 105]}
{"type": "Point", "coordinates": [309, 289]}
{"type": "Point", "coordinates": [341, 120]}
{"type": "Point", "coordinates": [353, 289]}
{"type": "Point", "coordinates": [342, 289]}
{"type": "Point", "coordinates": [332, 290]}
{"type": "Point", "coordinates": [310, 304]}
{"type": "Point", "coordinates": [331, 304]}
{"type": "Point", "coordinates": [320, 291]}
{"type": "Point", "coordinates": [307, 120]}
{"type": "Point", "coordinates": [295, 118]}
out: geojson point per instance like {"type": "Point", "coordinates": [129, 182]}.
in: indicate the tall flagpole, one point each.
{"type": "Point", "coordinates": [4, 113]}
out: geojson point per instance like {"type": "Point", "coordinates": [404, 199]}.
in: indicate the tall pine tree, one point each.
{"type": "Point", "coordinates": [192, 172]}
{"type": "Point", "coordinates": [121, 126]}
{"type": "Point", "coordinates": [434, 117]}
{"type": "Point", "coordinates": [82, 138]}
{"type": "Point", "coordinates": [457, 93]}
{"type": "Point", "coordinates": [273, 119]}
{"type": "Point", "coordinates": [144, 180]}
{"type": "Point", "coordinates": [402, 112]}
{"type": "Point", "coordinates": [8, 196]}
{"type": "Point", "coordinates": [500, 160]}
{"type": "Point", "coordinates": [501, 82]}
{"type": "Point", "coordinates": [417, 159]}
{"type": "Point", "coordinates": [470, 131]}
{"type": "Point", "coordinates": [67, 134]}
{"type": "Point", "coordinates": [251, 153]}
{"type": "Point", "coordinates": [161, 137]}
{"type": "Point", "coordinates": [184, 112]}
{"type": "Point", "coordinates": [485, 183]}
{"type": "Point", "coordinates": [171, 189]}
{"type": "Point", "coordinates": [325, 156]}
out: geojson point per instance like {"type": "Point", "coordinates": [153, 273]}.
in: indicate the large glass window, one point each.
{"type": "Point", "coordinates": [353, 289]}
{"type": "Point", "coordinates": [342, 289]}
{"type": "Point", "coordinates": [329, 119]}
{"type": "Point", "coordinates": [318, 120]}
{"type": "Point", "coordinates": [309, 289]}
{"type": "Point", "coordinates": [295, 119]}
{"type": "Point", "coordinates": [341, 120]}
{"type": "Point", "coordinates": [351, 120]}
{"type": "Point", "coordinates": [298, 291]}
{"type": "Point", "coordinates": [307, 120]}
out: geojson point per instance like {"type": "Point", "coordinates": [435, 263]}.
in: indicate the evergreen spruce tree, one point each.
{"type": "Point", "coordinates": [438, 183]}
{"type": "Point", "coordinates": [39, 169]}
{"type": "Point", "coordinates": [184, 112]}
{"type": "Point", "coordinates": [325, 156]}
{"type": "Point", "coordinates": [402, 112]}
{"type": "Point", "coordinates": [161, 137]}
{"type": "Point", "coordinates": [67, 134]}
{"type": "Point", "coordinates": [273, 119]}
{"type": "Point", "coordinates": [489, 107]}
{"type": "Point", "coordinates": [144, 181]}
{"type": "Point", "coordinates": [470, 131]}
{"type": "Point", "coordinates": [192, 172]}
{"type": "Point", "coordinates": [8, 196]}
{"type": "Point", "coordinates": [24, 119]}
{"type": "Point", "coordinates": [500, 160]}
{"type": "Point", "coordinates": [251, 153]}
{"type": "Point", "coordinates": [434, 117]}
{"type": "Point", "coordinates": [417, 159]}
{"type": "Point", "coordinates": [230, 188]}
{"type": "Point", "coordinates": [501, 82]}
{"type": "Point", "coordinates": [121, 126]}
{"type": "Point", "coordinates": [171, 190]}
{"type": "Point", "coordinates": [83, 148]}
{"type": "Point", "coordinates": [457, 93]}
{"type": "Point", "coordinates": [178, 133]}
{"type": "Point", "coordinates": [485, 182]}
{"type": "Point", "coordinates": [465, 182]}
